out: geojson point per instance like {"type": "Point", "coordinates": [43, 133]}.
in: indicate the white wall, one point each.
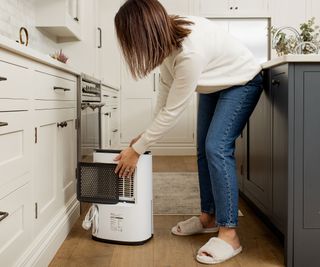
{"type": "Point", "coordinates": [17, 13]}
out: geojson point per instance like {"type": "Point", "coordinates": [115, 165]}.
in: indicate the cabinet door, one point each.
{"type": "Point", "coordinates": [136, 116]}
{"type": "Point", "coordinates": [250, 7]}
{"type": "Point", "coordinates": [67, 157]}
{"type": "Point", "coordinates": [115, 123]}
{"type": "Point", "coordinates": [55, 160]}
{"type": "Point", "coordinates": [257, 185]}
{"type": "Point", "coordinates": [82, 54]}
{"type": "Point", "coordinates": [279, 87]}
{"type": "Point", "coordinates": [183, 131]}
{"type": "Point", "coordinates": [177, 7]}
{"type": "Point", "coordinates": [211, 8]}
{"type": "Point", "coordinates": [16, 228]}
{"type": "Point", "coordinates": [241, 157]}
{"type": "Point", "coordinates": [15, 145]}
{"type": "Point", "coordinates": [105, 127]}
{"type": "Point", "coordinates": [46, 166]}
{"type": "Point", "coordinates": [108, 48]}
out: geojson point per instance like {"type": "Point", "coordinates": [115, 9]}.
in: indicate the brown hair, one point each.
{"type": "Point", "coordinates": [147, 34]}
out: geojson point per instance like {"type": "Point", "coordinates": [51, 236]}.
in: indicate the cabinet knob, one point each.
{"type": "Point", "coordinates": [2, 124]}
{"type": "Point", "coordinates": [3, 215]}
{"type": "Point", "coordinates": [236, 8]}
{"type": "Point", "coordinates": [231, 8]}
{"type": "Point", "coordinates": [3, 79]}
{"type": "Point", "coordinates": [275, 82]}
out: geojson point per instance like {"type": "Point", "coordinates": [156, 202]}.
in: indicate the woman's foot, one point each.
{"type": "Point", "coordinates": [228, 235]}
{"type": "Point", "coordinates": [207, 220]}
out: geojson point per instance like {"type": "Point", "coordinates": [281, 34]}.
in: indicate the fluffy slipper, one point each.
{"type": "Point", "coordinates": [217, 251]}
{"type": "Point", "coordinates": [192, 226]}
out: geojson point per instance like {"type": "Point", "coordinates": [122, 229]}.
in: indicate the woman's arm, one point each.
{"type": "Point", "coordinates": [187, 70]}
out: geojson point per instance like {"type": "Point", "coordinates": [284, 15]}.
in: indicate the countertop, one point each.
{"type": "Point", "coordinates": [10, 45]}
{"type": "Point", "coordinates": [291, 58]}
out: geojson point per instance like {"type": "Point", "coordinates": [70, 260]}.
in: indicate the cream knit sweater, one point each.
{"type": "Point", "coordinates": [210, 60]}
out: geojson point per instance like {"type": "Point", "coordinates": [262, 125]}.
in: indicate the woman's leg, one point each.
{"type": "Point", "coordinates": [206, 107]}
{"type": "Point", "coordinates": [232, 111]}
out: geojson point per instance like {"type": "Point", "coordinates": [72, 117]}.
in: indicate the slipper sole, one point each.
{"type": "Point", "coordinates": [209, 260]}
{"type": "Point", "coordinates": [174, 231]}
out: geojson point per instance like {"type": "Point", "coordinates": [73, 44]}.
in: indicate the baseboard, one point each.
{"type": "Point", "coordinates": [44, 247]}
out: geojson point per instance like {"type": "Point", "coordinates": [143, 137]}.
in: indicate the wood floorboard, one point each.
{"type": "Point", "coordinates": [261, 248]}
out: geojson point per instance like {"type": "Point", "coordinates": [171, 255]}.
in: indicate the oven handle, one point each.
{"type": "Point", "coordinates": [93, 106]}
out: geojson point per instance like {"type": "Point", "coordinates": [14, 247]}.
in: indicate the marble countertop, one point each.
{"type": "Point", "coordinates": [10, 45]}
{"type": "Point", "coordinates": [290, 58]}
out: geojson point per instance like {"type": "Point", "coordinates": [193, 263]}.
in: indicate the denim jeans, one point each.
{"type": "Point", "coordinates": [221, 118]}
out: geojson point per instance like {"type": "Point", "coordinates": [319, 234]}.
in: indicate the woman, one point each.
{"type": "Point", "coordinates": [194, 55]}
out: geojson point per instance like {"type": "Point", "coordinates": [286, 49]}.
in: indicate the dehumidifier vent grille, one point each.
{"type": "Point", "coordinates": [126, 189]}
{"type": "Point", "coordinates": [98, 183]}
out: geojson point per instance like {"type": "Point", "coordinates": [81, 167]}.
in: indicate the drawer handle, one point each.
{"type": "Point", "coordinates": [114, 131]}
{"type": "Point", "coordinates": [2, 124]}
{"type": "Point", "coordinates": [114, 97]}
{"type": "Point", "coordinates": [106, 95]}
{"type": "Point", "coordinates": [106, 114]}
{"type": "Point", "coordinates": [61, 88]}
{"type": "Point", "coordinates": [275, 82]}
{"type": "Point", "coordinates": [114, 108]}
{"type": "Point", "coordinates": [3, 215]}
{"type": "Point", "coordinates": [62, 124]}
{"type": "Point", "coordinates": [3, 79]}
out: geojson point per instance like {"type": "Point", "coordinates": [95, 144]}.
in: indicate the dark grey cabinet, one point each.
{"type": "Point", "coordinates": [282, 156]}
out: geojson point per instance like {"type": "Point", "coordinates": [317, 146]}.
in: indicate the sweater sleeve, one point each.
{"type": "Point", "coordinates": [187, 70]}
{"type": "Point", "coordinates": [165, 83]}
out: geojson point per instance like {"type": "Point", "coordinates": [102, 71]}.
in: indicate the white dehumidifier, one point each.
{"type": "Point", "coordinates": [122, 207]}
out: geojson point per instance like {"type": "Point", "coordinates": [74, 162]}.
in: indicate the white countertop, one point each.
{"type": "Point", "coordinates": [27, 52]}
{"type": "Point", "coordinates": [290, 58]}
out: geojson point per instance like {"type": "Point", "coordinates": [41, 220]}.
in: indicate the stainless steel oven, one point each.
{"type": "Point", "coordinates": [89, 116]}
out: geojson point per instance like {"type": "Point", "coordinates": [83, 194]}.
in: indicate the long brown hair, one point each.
{"type": "Point", "coordinates": [147, 34]}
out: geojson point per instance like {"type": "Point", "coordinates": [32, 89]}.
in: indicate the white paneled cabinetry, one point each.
{"type": "Point", "coordinates": [37, 160]}
{"type": "Point", "coordinates": [110, 119]}
{"type": "Point", "coordinates": [233, 8]}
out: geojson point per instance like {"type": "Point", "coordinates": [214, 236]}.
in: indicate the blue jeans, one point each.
{"type": "Point", "coordinates": [221, 118]}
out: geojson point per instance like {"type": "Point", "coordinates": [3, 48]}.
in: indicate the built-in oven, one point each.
{"type": "Point", "coordinates": [89, 115]}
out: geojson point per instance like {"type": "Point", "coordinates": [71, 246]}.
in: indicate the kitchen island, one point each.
{"type": "Point", "coordinates": [278, 155]}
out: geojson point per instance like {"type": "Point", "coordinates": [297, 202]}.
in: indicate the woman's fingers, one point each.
{"type": "Point", "coordinates": [117, 158]}
{"type": "Point", "coordinates": [119, 167]}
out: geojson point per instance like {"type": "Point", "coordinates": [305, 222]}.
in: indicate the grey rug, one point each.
{"type": "Point", "coordinates": [176, 193]}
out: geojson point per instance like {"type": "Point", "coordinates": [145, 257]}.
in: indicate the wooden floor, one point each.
{"type": "Point", "coordinates": [261, 248]}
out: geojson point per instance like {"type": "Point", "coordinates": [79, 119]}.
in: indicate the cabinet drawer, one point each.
{"type": "Point", "coordinates": [15, 227]}
{"type": "Point", "coordinates": [50, 87]}
{"type": "Point", "coordinates": [109, 95]}
{"type": "Point", "coordinates": [15, 81]}
{"type": "Point", "coordinates": [15, 145]}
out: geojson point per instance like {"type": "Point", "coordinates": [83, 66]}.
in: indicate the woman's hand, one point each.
{"type": "Point", "coordinates": [134, 140]}
{"type": "Point", "coordinates": [127, 162]}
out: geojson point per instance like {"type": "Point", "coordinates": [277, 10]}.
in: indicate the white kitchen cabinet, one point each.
{"type": "Point", "coordinates": [233, 8]}
{"type": "Point", "coordinates": [137, 108]}
{"type": "Point", "coordinates": [15, 142]}
{"type": "Point", "coordinates": [105, 127]}
{"type": "Point", "coordinates": [16, 224]}
{"type": "Point", "coordinates": [55, 163]}
{"type": "Point", "coordinates": [10, 86]}
{"type": "Point", "coordinates": [82, 54]}
{"type": "Point", "coordinates": [108, 50]}
{"type": "Point", "coordinates": [177, 7]}
{"type": "Point", "coordinates": [59, 18]}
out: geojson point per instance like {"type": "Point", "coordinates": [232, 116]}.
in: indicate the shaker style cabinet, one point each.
{"type": "Point", "coordinates": [108, 51]}
{"type": "Point", "coordinates": [37, 159]}
{"type": "Point", "coordinates": [233, 8]}
{"type": "Point", "coordinates": [282, 157]}
{"type": "Point", "coordinates": [177, 7]}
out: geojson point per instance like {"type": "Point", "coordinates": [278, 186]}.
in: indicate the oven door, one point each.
{"type": "Point", "coordinates": [90, 130]}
